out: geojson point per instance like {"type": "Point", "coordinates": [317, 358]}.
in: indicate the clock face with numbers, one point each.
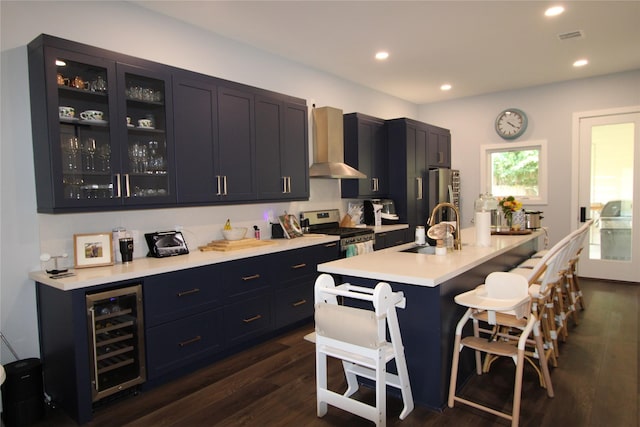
{"type": "Point", "coordinates": [511, 123]}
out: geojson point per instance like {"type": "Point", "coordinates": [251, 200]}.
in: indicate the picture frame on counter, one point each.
{"type": "Point", "coordinates": [92, 250]}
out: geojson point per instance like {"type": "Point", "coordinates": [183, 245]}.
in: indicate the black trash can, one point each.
{"type": "Point", "coordinates": [22, 393]}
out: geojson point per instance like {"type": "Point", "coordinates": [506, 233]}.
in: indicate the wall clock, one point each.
{"type": "Point", "coordinates": [511, 123]}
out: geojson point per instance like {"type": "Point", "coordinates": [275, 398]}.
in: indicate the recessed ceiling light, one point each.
{"type": "Point", "coordinates": [580, 63]}
{"type": "Point", "coordinates": [60, 63]}
{"type": "Point", "coordinates": [382, 55]}
{"type": "Point", "coordinates": [445, 87]}
{"type": "Point", "coordinates": [554, 11]}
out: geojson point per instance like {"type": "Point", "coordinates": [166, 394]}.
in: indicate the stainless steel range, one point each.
{"type": "Point", "coordinates": [328, 222]}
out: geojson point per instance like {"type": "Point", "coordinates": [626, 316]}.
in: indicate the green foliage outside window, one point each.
{"type": "Point", "coordinates": [515, 172]}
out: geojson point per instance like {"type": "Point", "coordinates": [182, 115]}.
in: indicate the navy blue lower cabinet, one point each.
{"type": "Point", "coordinates": [294, 303]}
{"type": "Point", "coordinates": [174, 295]}
{"type": "Point", "coordinates": [179, 343]}
{"type": "Point", "coordinates": [249, 318]}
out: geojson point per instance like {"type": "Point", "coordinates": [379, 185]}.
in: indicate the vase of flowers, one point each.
{"type": "Point", "coordinates": [509, 205]}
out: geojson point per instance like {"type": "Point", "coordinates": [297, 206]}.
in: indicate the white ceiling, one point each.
{"type": "Point", "coordinates": [476, 46]}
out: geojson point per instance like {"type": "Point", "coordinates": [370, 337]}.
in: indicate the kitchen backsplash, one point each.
{"type": "Point", "coordinates": [199, 225]}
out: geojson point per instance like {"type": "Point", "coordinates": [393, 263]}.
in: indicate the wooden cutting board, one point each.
{"type": "Point", "coordinates": [231, 245]}
{"type": "Point", "coordinates": [511, 233]}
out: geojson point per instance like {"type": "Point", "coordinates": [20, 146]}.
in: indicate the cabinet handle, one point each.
{"type": "Point", "coordinates": [299, 303]}
{"type": "Point", "coordinates": [297, 266]}
{"type": "Point", "coordinates": [419, 195]}
{"type": "Point", "coordinates": [95, 348]}
{"type": "Point", "coordinates": [252, 319]}
{"type": "Point", "coordinates": [284, 184]}
{"type": "Point", "coordinates": [224, 184]}
{"type": "Point", "coordinates": [126, 185]}
{"type": "Point", "coordinates": [191, 341]}
{"type": "Point", "coordinates": [330, 245]}
{"type": "Point", "coordinates": [118, 186]}
{"type": "Point", "coordinates": [189, 292]}
{"type": "Point", "coordinates": [288, 184]}
{"type": "Point", "coordinates": [247, 278]}
{"type": "Point", "coordinates": [218, 193]}
{"type": "Point", "coordinates": [382, 234]}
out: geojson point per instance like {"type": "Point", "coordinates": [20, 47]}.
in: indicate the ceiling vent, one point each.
{"type": "Point", "coordinates": [578, 34]}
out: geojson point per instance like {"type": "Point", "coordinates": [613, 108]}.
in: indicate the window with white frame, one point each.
{"type": "Point", "coordinates": [515, 169]}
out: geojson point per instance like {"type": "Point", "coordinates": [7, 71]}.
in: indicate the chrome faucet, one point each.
{"type": "Point", "coordinates": [457, 241]}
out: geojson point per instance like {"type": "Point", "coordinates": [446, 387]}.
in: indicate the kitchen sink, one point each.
{"type": "Point", "coordinates": [428, 250]}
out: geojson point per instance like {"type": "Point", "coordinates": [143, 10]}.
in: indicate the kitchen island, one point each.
{"type": "Point", "coordinates": [430, 283]}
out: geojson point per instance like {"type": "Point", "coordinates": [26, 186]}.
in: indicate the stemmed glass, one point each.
{"type": "Point", "coordinates": [72, 149]}
{"type": "Point", "coordinates": [90, 148]}
{"type": "Point", "coordinates": [105, 155]}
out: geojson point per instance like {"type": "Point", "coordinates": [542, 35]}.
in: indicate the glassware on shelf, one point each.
{"type": "Point", "coordinates": [71, 149]}
{"type": "Point", "coordinates": [89, 148]}
{"type": "Point", "coordinates": [104, 154]}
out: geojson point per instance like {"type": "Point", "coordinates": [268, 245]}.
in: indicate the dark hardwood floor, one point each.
{"type": "Point", "coordinates": [273, 384]}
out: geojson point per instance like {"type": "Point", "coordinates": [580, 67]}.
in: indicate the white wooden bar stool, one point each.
{"type": "Point", "coordinates": [503, 301]}
{"type": "Point", "coordinates": [359, 338]}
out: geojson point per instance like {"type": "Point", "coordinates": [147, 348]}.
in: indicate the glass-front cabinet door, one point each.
{"type": "Point", "coordinates": [146, 150]}
{"type": "Point", "coordinates": [83, 166]}
{"type": "Point", "coordinates": [108, 133]}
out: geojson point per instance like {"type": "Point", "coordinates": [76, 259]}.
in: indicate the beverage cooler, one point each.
{"type": "Point", "coordinates": [116, 340]}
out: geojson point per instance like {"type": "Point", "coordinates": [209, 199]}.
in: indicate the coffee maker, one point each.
{"type": "Point", "coordinates": [387, 211]}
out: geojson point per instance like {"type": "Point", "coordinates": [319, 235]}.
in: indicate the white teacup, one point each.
{"type": "Point", "coordinates": [66, 112]}
{"type": "Point", "coordinates": [144, 123]}
{"type": "Point", "coordinates": [91, 115]}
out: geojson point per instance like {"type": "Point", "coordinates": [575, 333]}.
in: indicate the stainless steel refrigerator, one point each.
{"type": "Point", "coordinates": [443, 185]}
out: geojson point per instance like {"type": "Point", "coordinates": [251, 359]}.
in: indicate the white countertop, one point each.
{"type": "Point", "coordinates": [141, 267]}
{"type": "Point", "coordinates": [393, 265]}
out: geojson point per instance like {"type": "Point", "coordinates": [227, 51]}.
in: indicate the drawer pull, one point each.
{"type": "Point", "coordinates": [330, 245]}
{"type": "Point", "coordinates": [299, 303]}
{"type": "Point", "coordinates": [297, 266]}
{"type": "Point", "coordinates": [191, 341]}
{"type": "Point", "coordinates": [255, 276]}
{"type": "Point", "coordinates": [189, 292]}
{"type": "Point", "coordinates": [252, 319]}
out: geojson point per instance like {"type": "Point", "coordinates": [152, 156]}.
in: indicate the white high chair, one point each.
{"type": "Point", "coordinates": [503, 301]}
{"type": "Point", "coordinates": [358, 337]}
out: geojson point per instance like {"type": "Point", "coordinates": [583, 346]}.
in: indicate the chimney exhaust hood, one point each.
{"type": "Point", "coordinates": [328, 146]}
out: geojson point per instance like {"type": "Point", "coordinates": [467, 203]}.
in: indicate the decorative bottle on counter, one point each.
{"type": "Point", "coordinates": [420, 235]}
{"type": "Point", "coordinates": [448, 240]}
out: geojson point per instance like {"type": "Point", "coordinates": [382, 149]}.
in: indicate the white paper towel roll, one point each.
{"type": "Point", "coordinates": [483, 228]}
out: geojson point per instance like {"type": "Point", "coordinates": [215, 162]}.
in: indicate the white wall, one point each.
{"type": "Point", "coordinates": [126, 28]}
{"type": "Point", "coordinates": [549, 109]}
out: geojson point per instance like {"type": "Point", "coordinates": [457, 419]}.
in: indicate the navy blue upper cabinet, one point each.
{"type": "Point", "coordinates": [365, 148]}
{"type": "Point", "coordinates": [196, 133]}
{"type": "Point", "coordinates": [439, 147]}
{"type": "Point", "coordinates": [214, 141]}
{"type": "Point", "coordinates": [104, 126]}
{"type": "Point", "coordinates": [87, 156]}
{"type": "Point", "coordinates": [282, 149]}
{"type": "Point", "coordinates": [235, 177]}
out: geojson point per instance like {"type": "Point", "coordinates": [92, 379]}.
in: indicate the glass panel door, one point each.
{"type": "Point", "coordinates": [146, 152]}
{"type": "Point", "coordinates": [84, 114]}
{"type": "Point", "coordinates": [609, 159]}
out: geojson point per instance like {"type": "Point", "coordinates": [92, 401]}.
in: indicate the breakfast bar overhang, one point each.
{"type": "Point", "coordinates": [430, 282]}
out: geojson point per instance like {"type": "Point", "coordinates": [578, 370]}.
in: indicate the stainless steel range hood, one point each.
{"type": "Point", "coordinates": [328, 146]}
